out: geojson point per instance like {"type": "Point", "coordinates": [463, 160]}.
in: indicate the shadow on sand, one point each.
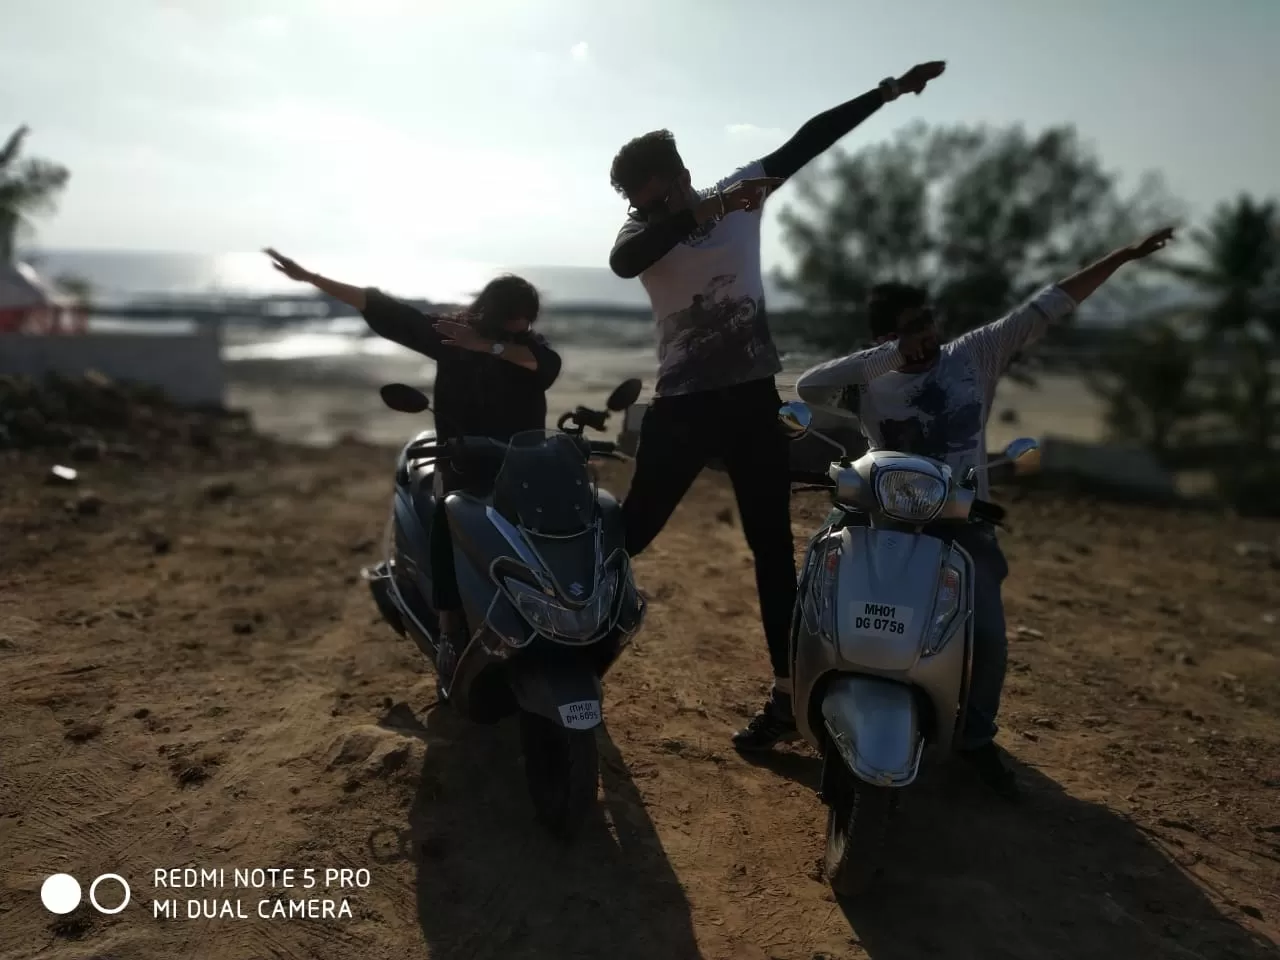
{"type": "Point", "coordinates": [492, 883]}
{"type": "Point", "coordinates": [969, 877]}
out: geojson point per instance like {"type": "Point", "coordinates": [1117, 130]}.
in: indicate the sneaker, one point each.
{"type": "Point", "coordinates": [772, 725]}
{"type": "Point", "coordinates": [993, 771]}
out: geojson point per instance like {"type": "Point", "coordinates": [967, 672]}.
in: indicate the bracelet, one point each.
{"type": "Point", "coordinates": [889, 88]}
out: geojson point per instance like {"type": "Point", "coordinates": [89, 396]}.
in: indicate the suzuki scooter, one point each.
{"type": "Point", "coordinates": [882, 637]}
{"type": "Point", "coordinates": [546, 584]}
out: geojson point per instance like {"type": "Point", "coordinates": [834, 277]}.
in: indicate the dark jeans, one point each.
{"type": "Point", "coordinates": [739, 425]}
{"type": "Point", "coordinates": [990, 640]}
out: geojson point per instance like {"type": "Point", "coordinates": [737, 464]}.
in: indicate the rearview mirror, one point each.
{"type": "Point", "coordinates": [796, 418]}
{"type": "Point", "coordinates": [1024, 454]}
{"type": "Point", "coordinates": [624, 395]}
{"type": "Point", "coordinates": [404, 399]}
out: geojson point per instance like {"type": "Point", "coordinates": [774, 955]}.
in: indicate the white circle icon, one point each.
{"type": "Point", "coordinates": [93, 890]}
{"type": "Point", "coordinates": [60, 893]}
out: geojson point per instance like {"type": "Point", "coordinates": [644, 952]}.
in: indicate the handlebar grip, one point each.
{"type": "Point", "coordinates": [986, 510]}
{"type": "Point", "coordinates": [595, 419]}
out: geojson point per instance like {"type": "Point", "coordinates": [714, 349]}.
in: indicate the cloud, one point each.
{"type": "Point", "coordinates": [751, 131]}
{"type": "Point", "coordinates": [580, 51]}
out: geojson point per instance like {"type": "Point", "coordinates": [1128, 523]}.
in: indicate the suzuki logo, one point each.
{"type": "Point", "coordinates": [576, 589]}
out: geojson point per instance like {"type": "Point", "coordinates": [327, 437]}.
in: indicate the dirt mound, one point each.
{"type": "Point", "coordinates": [92, 417]}
{"type": "Point", "coordinates": [195, 676]}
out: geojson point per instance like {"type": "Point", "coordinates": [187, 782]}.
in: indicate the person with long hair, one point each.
{"type": "Point", "coordinates": [492, 377]}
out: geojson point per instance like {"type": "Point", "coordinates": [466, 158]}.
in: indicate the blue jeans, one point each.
{"type": "Point", "coordinates": [990, 639]}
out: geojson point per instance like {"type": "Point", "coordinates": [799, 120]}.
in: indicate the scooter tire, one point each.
{"type": "Point", "coordinates": [859, 816]}
{"type": "Point", "coordinates": [562, 769]}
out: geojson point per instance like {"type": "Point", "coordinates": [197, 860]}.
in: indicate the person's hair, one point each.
{"type": "Point", "coordinates": [640, 160]}
{"type": "Point", "coordinates": [502, 299]}
{"type": "Point", "coordinates": [885, 305]}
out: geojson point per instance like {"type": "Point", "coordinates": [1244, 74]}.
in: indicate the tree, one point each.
{"type": "Point", "coordinates": [1147, 380]}
{"type": "Point", "coordinates": [1239, 268]}
{"type": "Point", "coordinates": [979, 217]}
{"type": "Point", "coordinates": [27, 187]}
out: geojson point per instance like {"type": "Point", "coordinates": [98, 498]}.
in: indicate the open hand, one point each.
{"type": "Point", "coordinates": [1150, 244]}
{"type": "Point", "coordinates": [750, 194]}
{"type": "Point", "coordinates": [915, 79]}
{"type": "Point", "coordinates": [289, 268]}
{"type": "Point", "coordinates": [461, 335]}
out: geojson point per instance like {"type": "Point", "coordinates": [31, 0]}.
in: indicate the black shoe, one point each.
{"type": "Point", "coordinates": [986, 760]}
{"type": "Point", "coordinates": [773, 725]}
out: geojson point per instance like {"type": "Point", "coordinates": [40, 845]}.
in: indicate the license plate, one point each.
{"type": "Point", "coordinates": [580, 715]}
{"type": "Point", "coordinates": [886, 620]}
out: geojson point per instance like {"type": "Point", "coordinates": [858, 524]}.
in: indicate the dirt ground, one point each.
{"type": "Point", "coordinates": [192, 676]}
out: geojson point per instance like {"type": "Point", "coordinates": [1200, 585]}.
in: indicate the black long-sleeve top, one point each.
{"type": "Point", "coordinates": [636, 251]}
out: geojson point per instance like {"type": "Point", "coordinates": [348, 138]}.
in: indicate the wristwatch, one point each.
{"type": "Point", "coordinates": [498, 349]}
{"type": "Point", "coordinates": [889, 87]}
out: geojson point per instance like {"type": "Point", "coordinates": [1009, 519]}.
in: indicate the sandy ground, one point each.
{"type": "Point", "coordinates": [191, 675]}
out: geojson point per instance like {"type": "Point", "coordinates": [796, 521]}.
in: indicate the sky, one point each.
{"type": "Point", "coordinates": [485, 131]}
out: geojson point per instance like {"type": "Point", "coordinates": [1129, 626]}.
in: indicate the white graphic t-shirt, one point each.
{"type": "Point", "coordinates": [942, 412]}
{"type": "Point", "coordinates": [708, 303]}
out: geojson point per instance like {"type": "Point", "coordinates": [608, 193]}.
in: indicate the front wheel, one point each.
{"type": "Point", "coordinates": [562, 768]}
{"type": "Point", "coordinates": [858, 820]}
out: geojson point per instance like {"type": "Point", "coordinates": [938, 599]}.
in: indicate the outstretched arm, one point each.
{"type": "Point", "coordinates": [351, 296]}
{"type": "Point", "coordinates": [821, 133]}
{"type": "Point", "coordinates": [998, 342]}
{"type": "Point", "coordinates": [387, 317]}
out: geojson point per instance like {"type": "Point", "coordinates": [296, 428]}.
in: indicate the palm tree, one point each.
{"type": "Point", "coordinates": [1239, 268]}
{"type": "Point", "coordinates": [1240, 264]}
{"type": "Point", "coordinates": [26, 188]}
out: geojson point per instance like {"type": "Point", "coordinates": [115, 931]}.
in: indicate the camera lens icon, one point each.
{"type": "Point", "coordinates": [60, 893]}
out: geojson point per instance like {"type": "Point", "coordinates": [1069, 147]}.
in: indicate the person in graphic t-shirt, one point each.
{"type": "Point", "coordinates": [912, 395]}
{"type": "Point", "coordinates": [492, 377]}
{"type": "Point", "coordinates": [697, 253]}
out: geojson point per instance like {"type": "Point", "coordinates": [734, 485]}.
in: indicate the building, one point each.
{"type": "Point", "coordinates": [29, 304]}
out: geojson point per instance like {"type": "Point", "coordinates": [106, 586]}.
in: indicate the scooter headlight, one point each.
{"type": "Point", "coordinates": [950, 583]}
{"type": "Point", "coordinates": [910, 496]}
{"type": "Point", "coordinates": [555, 620]}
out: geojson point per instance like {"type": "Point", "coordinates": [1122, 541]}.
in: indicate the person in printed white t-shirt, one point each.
{"type": "Point", "coordinates": [913, 395]}
{"type": "Point", "coordinates": [697, 253]}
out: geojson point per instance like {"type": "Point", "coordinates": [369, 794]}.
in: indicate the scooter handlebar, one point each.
{"type": "Point", "coordinates": [606, 449]}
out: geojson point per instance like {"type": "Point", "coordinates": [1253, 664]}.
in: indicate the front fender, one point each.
{"type": "Point", "coordinates": [874, 724]}
{"type": "Point", "coordinates": [568, 695]}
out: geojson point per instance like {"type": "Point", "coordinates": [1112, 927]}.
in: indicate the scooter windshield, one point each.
{"type": "Point", "coordinates": [543, 484]}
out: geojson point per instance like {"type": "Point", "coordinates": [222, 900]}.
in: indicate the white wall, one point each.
{"type": "Point", "coordinates": [188, 367]}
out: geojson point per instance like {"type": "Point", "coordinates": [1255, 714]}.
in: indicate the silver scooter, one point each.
{"type": "Point", "coordinates": [882, 635]}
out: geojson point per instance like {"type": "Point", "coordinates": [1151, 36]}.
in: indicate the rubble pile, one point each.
{"type": "Point", "coordinates": [91, 417]}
